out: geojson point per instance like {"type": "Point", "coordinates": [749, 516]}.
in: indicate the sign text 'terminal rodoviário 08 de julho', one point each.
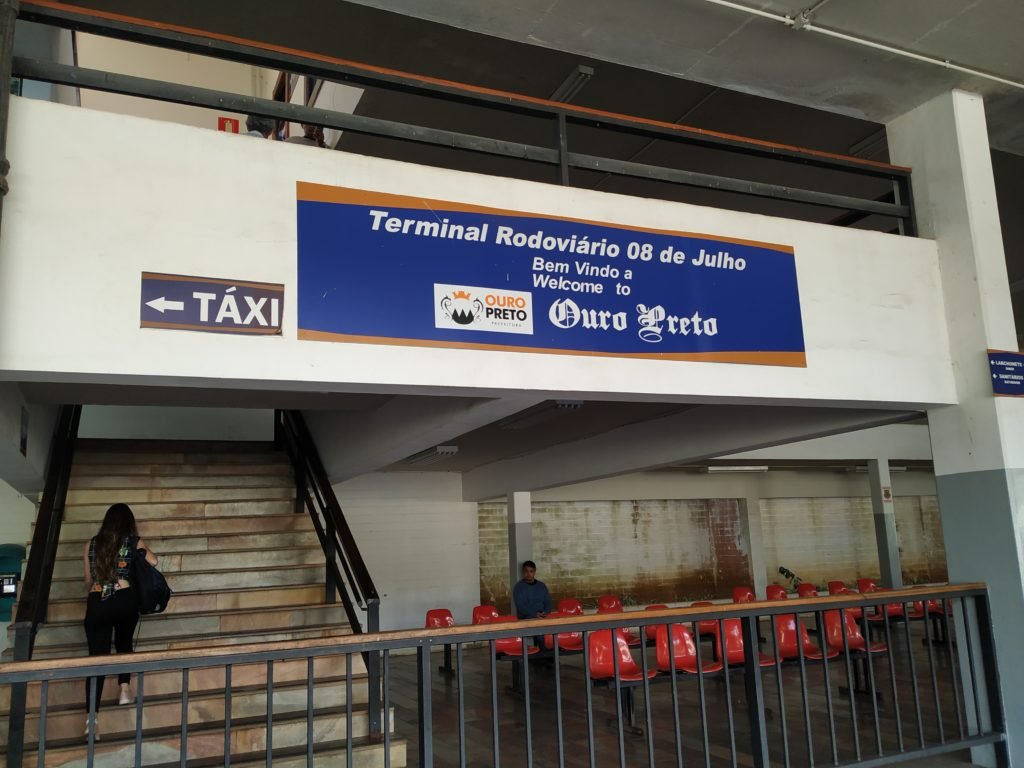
{"type": "Point", "coordinates": [390, 269]}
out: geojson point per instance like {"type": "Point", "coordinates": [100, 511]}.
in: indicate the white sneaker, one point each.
{"type": "Point", "coordinates": [126, 698]}
{"type": "Point", "coordinates": [96, 730]}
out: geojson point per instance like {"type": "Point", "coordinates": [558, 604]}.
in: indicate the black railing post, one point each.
{"type": "Point", "coordinates": [994, 695]}
{"type": "Point", "coordinates": [373, 676]}
{"type": "Point", "coordinates": [300, 490]}
{"type": "Point", "coordinates": [8, 14]}
{"type": "Point", "coordinates": [19, 697]}
{"type": "Point", "coordinates": [563, 149]}
{"type": "Point", "coordinates": [755, 693]}
{"type": "Point", "coordinates": [426, 710]}
{"type": "Point", "coordinates": [331, 586]}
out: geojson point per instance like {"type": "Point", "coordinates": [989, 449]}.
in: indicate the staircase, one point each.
{"type": "Point", "coordinates": [245, 568]}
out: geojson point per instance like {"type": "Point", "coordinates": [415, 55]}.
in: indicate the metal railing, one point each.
{"type": "Point", "coordinates": [34, 598]}
{"type": "Point", "coordinates": [570, 125]}
{"type": "Point", "coordinates": [931, 690]}
{"type": "Point", "coordinates": [346, 573]}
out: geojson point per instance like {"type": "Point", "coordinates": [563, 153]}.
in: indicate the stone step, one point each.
{"type": "Point", "coordinates": [209, 600]}
{"type": "Point", "coordinates": [120, 482]}
{"type": "Point", "coordinates": [161, 746]}
{"type": "Point", "coordinates": [136, 495]}
{"type": "Point", "coordinates": [199, 526]}
{"type": "Point", "coordinates": [200, 680]}
{"type": "Point", "coordinates": [326, 755]}
{"type": "Point", "coordinates": [93, 513]}
{"type": "Point", "coordinates": [223, 560]}
{"type": "Point", "coordinates": [65, 719]}
{"type": "Point", "coordinates": [215, 640]}
{"type": "Point", "coordinates": [244, 578]}
{"type": "Point", "coordinates": [282, 467]}
{"type": "Point", "coordinates": [169, 545]}
{"type": "Point", "coordinates": [165, 625]}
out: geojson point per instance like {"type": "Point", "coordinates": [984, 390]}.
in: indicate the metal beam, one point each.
{"type": "Point", "coordinates": [8, 15]}
{"type": "Point", "coordinates": [727, 184]}
{"type": "Point", "coordinates": [78, 77]}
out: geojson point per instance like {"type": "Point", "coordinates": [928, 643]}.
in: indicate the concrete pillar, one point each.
{"type": "Point", "coordinates": [753, 534]}
{"type": "Point", "coordinates": [978, 444]}
{"type": "Point", "coordinates": [885, 524]}
{"type": "Point", "coordinates": [520, 534]}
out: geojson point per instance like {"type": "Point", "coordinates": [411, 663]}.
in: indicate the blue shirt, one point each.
{"type": "Point", "coordinates": [531, 599]}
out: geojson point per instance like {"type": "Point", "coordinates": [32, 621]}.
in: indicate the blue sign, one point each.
{"type": "Point", "coordinates": [1007, 373]}
{"type": "Point", "coordinates": [210, 304]}
{"type": "Point", "coordinates": [389, 269]}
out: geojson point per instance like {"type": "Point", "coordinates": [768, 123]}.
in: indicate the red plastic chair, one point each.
{"type": "Point", "coordinates": [835, 628]}
{"type": "Point", "coordinates": [743, 595]}
{"type": "Point", "coordinates": [870, 586]}
{"type": "Point", "coordinates": [839, 588]}
{"type": "Point", "coordinates": [806, 590]}
{"type": "Point", "coordinates": [609, 604]}
{"type": "Point", "coordinates": [484, 613]}
{"type": "Point", "coordinates": [684, 652]}
{"type": "Point", "coordinates": [705, 626]}
{"type": "Point", "coordinates": [511, 646]}
{"type": "Point", "coordinates": [651, 627]}
{"type": "Point", "coordinates": [787, 635]}
{"type": "Point", "coordinates": [439, 618]}
{"type": "Point", "coordinates": [570, 606]}
{"type": "Point", "coordinates": [567, 641]}
{"type": "Point", "coordinates": [602, 663]}
{"type": "Point", "coordinates": [775, 592]}
{"type": "Point", "coordinates": [734, 651]}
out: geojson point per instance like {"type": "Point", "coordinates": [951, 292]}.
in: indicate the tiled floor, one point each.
{"type": "Point", "coordinates": [856, 727]}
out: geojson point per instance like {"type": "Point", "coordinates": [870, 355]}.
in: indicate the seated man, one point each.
{"type": "Point", "coordinates": [531, 597]}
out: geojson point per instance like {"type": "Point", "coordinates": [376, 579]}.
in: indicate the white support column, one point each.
{"type": "Point", "coordinates": [750, 519]}
{"type": "Point", "coordinates": [520, 534]}
{"type": "Point", "coordinates": [978, 444]}
{"type": "Point", "coordinates": [885, 523]}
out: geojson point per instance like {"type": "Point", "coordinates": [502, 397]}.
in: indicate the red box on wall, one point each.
{"type": "Point", "coordinates": [228, 124]}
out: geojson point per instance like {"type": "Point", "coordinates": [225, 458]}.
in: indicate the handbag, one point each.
{"type": "Point", "coordinates": [149, 584]}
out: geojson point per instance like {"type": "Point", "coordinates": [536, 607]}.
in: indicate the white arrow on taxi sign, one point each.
{"type": "Point", "coordinates": [162, 304]}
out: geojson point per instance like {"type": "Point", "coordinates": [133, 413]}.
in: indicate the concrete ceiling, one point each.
{"type": "Point", "coordinates": [699, 41]}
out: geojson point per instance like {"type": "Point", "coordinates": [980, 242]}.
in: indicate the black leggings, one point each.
{"type": "Point", "coordinates": [117, 615]}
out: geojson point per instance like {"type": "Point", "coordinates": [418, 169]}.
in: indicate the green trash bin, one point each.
{"type": "Point", "coordinates": [11, 556]}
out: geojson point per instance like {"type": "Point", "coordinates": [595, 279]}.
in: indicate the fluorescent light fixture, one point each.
{"type": "Point", "coordinates": [433, 455]}
{"type": "Point", "coordinates": [539, 414]}
{"type": "Point", "coordinates": [862, 468]}
{"type": "Point", "coordinates": [727, 468]}
{"type": "Point", "coordinates": [573, 84]}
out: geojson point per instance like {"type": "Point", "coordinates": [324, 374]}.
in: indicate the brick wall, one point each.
{"type": "Point", "coordinates": [821, 539]}
{"type": "Point", "coordinates": [645, 551]}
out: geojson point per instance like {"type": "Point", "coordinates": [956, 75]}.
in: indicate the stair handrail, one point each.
{"type": "Point", "coordinates": [314, 488]}
{"type": "Point", "coordinates": [34, 596]}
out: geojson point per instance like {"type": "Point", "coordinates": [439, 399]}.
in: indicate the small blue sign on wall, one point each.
{"type": "Point", "coordinates": [188, 303]}
{"type": "Point", "coordinates": [1007, 373]}
{"type": "Point", "coordinates": [378, 268]}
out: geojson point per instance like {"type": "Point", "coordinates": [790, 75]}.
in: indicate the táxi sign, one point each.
{"type": "Point", "coordinates": [210, 304]}
{"type": "Point", "coordinates": [1007, 373]}
{"type": "Point", "coordinates": [388, 269]}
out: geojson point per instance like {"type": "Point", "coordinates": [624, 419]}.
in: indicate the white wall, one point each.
{"type": "Point", "coordinates": [79, 227]}
{"type": "Point", "coordinates": [419, 541]}
{"type": "Point", "coordinates": [110, 55]}
{"type": "Point", "coordinates": [132, 422]}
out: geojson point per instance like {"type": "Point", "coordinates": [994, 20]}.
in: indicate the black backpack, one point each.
{"type": "Point", "coordinates": [149, 584]}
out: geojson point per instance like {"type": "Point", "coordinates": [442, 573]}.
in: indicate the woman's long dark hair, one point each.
{"type": "Point", "coordinates": [118, 524]}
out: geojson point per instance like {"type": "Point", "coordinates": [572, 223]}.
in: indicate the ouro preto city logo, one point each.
{"type": "Point", "coordinates": [461, 307]}
{"type": "Point", "coordinates": [474, 308]}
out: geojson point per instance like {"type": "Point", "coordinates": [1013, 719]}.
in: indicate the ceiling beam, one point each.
{"type": "Point", "coordinates": [700, 433]}
{"type": "Point", "coordinates": [353, 444]}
